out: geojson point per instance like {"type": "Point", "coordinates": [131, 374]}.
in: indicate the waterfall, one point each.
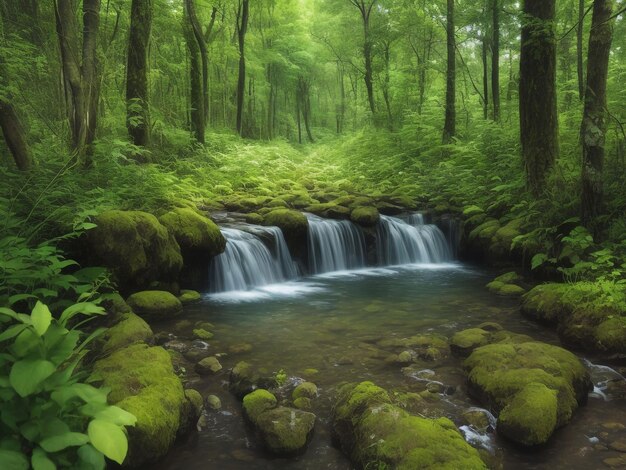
{"type": "Point", "coordinates": [247, 261]}
{"type": "Point", "coordinates": [334, 245]}
{"type": "Point", "coordinates": [401, 242]}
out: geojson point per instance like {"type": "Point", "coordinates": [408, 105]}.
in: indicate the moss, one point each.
{"type": "Point", "coordinates": [196, 234]}
{"type": "Point", "coordinates": [378, 434]}
{"type": "Point", "coordinates": [289, 221]}
{"type": "Point", "coordinates": [201, 333]}
{"type": "Point", "coordinates": [531, 416]}
{"type": "Point", "coordinates": [155, 304]}
{"type": "Point", "coordinates": [143, 382]}
{"type": "Point", "coordinates": [246, 204]}
{"type": "Point", "coordinates": [115, 304]}
{"type": "Point", "coordinates": [464, 342]}
{"type": "Point", "coordinates": [302, 403]}
{"type": "Point", "coordinates": [329, 210]}
{"type": "Point", "coordinates": [471, 211]}
{"type": "Point", "coordinates": [130, 329]}
{"type": "Point", "coordinates": [208, 365]}
{"type": "Point", "coordinates": [135, 247]}
{"type": "Point", "coordinates": [286, 431]}
{"type": "Point", "coordinates": [257, 403]}
{"type": "Point", "coordinates": [505, 290]}
{"type": "Point", "coordinates": [254, 218]}
{"type": "Point", "coordinates": [485, 231]}
{"type": "Point", "coordinates": [509, 278]}
{"type": "Point", "coordinates": [611, 334]}
{"type": "Point", "coordinates": [545, 303]}
{"type": "Point", "coordinates": [189, 296]}
{"type": "Point", "coordinates": [196, 399]}
{"type": "Point", "coordinates": [305, 389]}
{"type": "Point", "coordinates": [366, 216]}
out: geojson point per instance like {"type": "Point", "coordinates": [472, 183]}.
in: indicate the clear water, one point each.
{"type": "Point", "coordinates": [331, 323]}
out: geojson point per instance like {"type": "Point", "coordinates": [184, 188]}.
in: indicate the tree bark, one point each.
{"type": "Point", "coordinates": [204, 55]}
{"type": "Point", "coordinates": [495, 61]}
{"type": "Point", "coordinates": [198, 123]}
{"type": "Point", "coordinates": [579, 49]}
{"type": "Point", "coordinates": [449, 128]}
{"type": "Point", "coordinates": [538, 113]}
{"type": "Point", "coordinates": [14, 136]}
{"type": "Point", "coordinates": [594, 123]}
{"type": "Point", "coordinates": [365, 8]}
{"type": "Point", "coordinates": [137, 70]}
{"type": "Point", "coordinates": [485, 77]}
{"type": "Point", "coordinates": [242, 27]}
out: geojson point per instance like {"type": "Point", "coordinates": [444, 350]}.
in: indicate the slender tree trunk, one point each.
{"type": "Point", "coordinates": [423, 68]}
{"type": "Point", "coordinates": [449, 128]}
{"type": "Point", "coordinates": [242, 26]}
{"type": "Point", "coordinates": [579, 49]}
{"type": "Point", "coordinates": [204, 57]}
{"type": "Point", "coordinates": [298, 118]}
{"type": "Point", "coordinates": [594, 123]}
{"type": "Point", "coordinates": [14, 136]}
{"type": "Point", "coordinates": [195, 75]}
{"type": "Point", "coordinates": [137, 93]}
{"type": "Point", "coordinates": [367, 53]}
{"type": "Point", "coordinates": [538, 114]}
{"type": "Point", "coordinates": [485, 77]}
{"type": "Point", "coordinates": [495, 61]}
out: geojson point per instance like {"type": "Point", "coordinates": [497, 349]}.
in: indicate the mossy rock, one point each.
{"type": "Point", "coordinates": [189, 296]}
{"type": "Point", "coordinates": [286, 431]}
{"type": "Point", "coordinates": [115, 304]}
{"type": "Point", "coordinates": [471, 211]}
{"type": "Point", "coordinates": [197, 236]}
{"type": "Point", "coordinates": [128, 330]}
{"type": "Point", "coordinates": [545, 303]}
{"type": "Point", "coordinates": [257, 403]}
{"type": "Point", "coordinates": [485, 231]}
{"type": "Point", "coordinates": [505, 290]}
{"type": "Point", "coordinates": [464, 342]}
{"type": "Point", "coordinates": [302, 403]}
{"type": "Point", "coordinates": [135, 247]}
{"type": "Point", "coordinates": [498, 372]}
{"type": "Point", "coordinates": [201, 333]}
{"type": "Point", "coordinates": [375, 433]}
{"type": "Point", "coordinates": [155, 305]}
{"type": "Point", "coordinates": [254, 219]}
{"type": "Point", "coordinates": [425, 346]}
{"type": "Point", "coordinates": [510, 278]}
{"type": "Point", "coordinates": [306, 390]}
{"type": "Point", "coordinates": [503, 238]}
{"type": "Point", "coordinates": [143, 382]}
{"type": "Point", "coordinates": [329, 210]}
{"type": "Point", "coordinates": [367, 216]}
{"type": "Point", "coordinates": [294, 226]}
{"type": "Point", "coordinates": [208, 366]}
{"type": "Point", "coordinates": [245, 378]}
{"type": "Point", "coordinates": [246, 204]}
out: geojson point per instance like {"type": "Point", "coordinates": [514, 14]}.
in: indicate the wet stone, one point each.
{"type": "Point", "coordinates": [208, 365]}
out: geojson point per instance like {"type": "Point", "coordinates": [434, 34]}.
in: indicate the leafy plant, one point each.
{"type": "Point", "coordinates": [49, 417]}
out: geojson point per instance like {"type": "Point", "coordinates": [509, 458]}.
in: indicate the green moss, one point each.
{"type": "Point", "coordinates": [278, 202]}
{"type": "Point", "coordinates": [136, 247]}
{"type": "Point", "coordinates": [545, 303]}
{"type": "Point", "coordinates": [289, 221]}
{"type": "Point", "coordinates": [612, 334]}
{"type": "Point", "coordinates": [189, 296]}
{"type": "Point", "coordinates": [257, 403]}
{"type": "Point", "coordinates": [366, 216]}
{"type": "Point", "coordinates": [485, 231]}
{"type": "Point", "coordinates": [196, 234]}
{"type": "Point", "coordinates": [143, 382]}
{"type": "Point", "coordinates": [509, 278]}
{"type": "Point", "coordinates": [302, 403]}
{"type": "Point", "coordinates": [305, 389]}
{"type": "Point", "coordinates": [254, 218]}
{"type": "Point", "coordinates": [464, 342]}
{"type": "Point", "coordinates": [201, 333]}
{"type": "Point", "coordinates": [155, 304]}
{"type": "Point", "coordinates": [505, 290]}
{"type": "Point", "coordinates": [329, 210]}
{"type": "Point", "coordinates": [286, 431]}
{"type": "Point", "coordinates": [471, 211]}
{"type": "Point", "coordinates": [531, 416]}
{"type": "Point", "coordinates": [130, 329]}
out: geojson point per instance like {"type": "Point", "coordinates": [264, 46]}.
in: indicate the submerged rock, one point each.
{"type": "Point", "coordinates": [135, 247]}
{"type": "Point", "coordinates": [374, 433]}
{"type": "Point", "coordinates": [245, 378]}
{"type": "Point", "coordinates": [305, 390]}
{"type": "Point", "coordinates": [535, 387]}
{"type": "Point", "coordinates": [189, 296]}
{"type": "Point", "coordinates": [155, 305]}
{"type": "Point", "coordinates": [208, 365]}
{"type": "Point", "coordinates": [505, 290]}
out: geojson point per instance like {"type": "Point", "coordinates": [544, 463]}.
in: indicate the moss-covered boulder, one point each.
{"type": "Point", "coordinates": [293, 224]}
{"type": "Point", "coordinates": [329, 210]}
{"type": "Point", "coordinates": [305, 390]}
{"type": "Point", "coordinates": [135, 247]}
{"type": "Point", "coordinates": [502, 239]}
{"type": "Point", "coordinates": [429, 347]}
{"type": "Point", "coordinates": [471, 211]}
{"type": "Point", "coordinates": [245, 378]}
{"type": "Point", "coordinates": [375, 433]}
{"type": "Point", "coordinates": [505, 290]}
{"type": "Point", "coordinates": [589, 315]}
{"type": "Point", "coordinates": [504, 376]}
{"type": "Point", "coordinates": [464, 342]}
{"type": "Point", "coordinates": [198, 237]}
{"type": "Point", "coordinates": [143, 382]}
{"type": "Point", "coordinates": [208, 366]}
{"type": "Point", "coordinates": [189, 296]}
{"type": "Point", "coordinates": [366, 216]}
{"type": "Point", "coordinates": [155, 305]}
{"type": "Point", "coordinates": [257, 403]}
{"type": "Point", "coordinates": [129, 329]}
{"type": "Point", "coordinates": [254, 218]}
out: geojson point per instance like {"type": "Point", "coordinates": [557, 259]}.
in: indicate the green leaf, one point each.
{"type": "Point", "coordinates": [91, 457]}
{"type": "Point", "coordinates": [41, 318]}
{"type": "Point", "coordinates": [26, 375]}
{"type": "Point", "coordinates": [19, 297]}
{"type": "Point", "coordinates": [41, 461]}
{"type": "Point", "coordinates": [63, 441]}
{"type": "Point", "coordinates": [12, 332]}
{"type": "Point", "coordinates": [85, 308]}
{"type": "Point", "coordinates": [116, 415]}
{"type": "Point", "coordinates": [12, 460]}
{"type": "Point", "coordinates": [108, 439]}
{"type": "Point", "coordinates": [538, 260]}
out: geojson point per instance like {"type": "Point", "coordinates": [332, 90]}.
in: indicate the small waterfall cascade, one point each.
{"type": "Point", "coordinates": [410, 241]}
{"type": "Point", "coordinates": [334, 245]}
{"type": "Point", "coordinates": [248, 262]}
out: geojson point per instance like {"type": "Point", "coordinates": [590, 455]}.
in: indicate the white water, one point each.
{"type": "Point", "coordinates": [248, 263]}
{"type": "Point", "coordinates": [334, 245]}
{"type": "Point", "coordinates": [411, 242]}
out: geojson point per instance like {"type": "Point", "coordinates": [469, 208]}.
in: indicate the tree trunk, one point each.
{"type": "Point", "coordinates": [423, 68]}
{"type": "Point", "coordinates": [495, 61]}
{"type": "Point", "coordinates": [195, 75]}
{"type": "Point", "coordinates": [579, 49]}
{"type": "Point", "coordinates": [137, 93]}
{"type": "Point", "coordinates": [14, 137]}
{"type": "Point", "coordinates": [242, 26]}
{"type": "Point", "coordinates": [594, 123]}
{"type": "Point", "coordinates": [449, 128]}
{"type": "Point", "coordinates": [367, 53]}
{"type": "Point", "coordinates": [204, 57]}
{"type": "Point", "coordinates": [537, 100]}
{"type": "Point", "coordinates": [485, 77]}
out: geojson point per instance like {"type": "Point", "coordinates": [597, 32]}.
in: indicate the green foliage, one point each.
{"type": "Point", "coordinates": [49, 417]}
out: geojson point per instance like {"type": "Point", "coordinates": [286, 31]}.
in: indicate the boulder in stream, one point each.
{"type": "Point", "coordinates": [155, 305]}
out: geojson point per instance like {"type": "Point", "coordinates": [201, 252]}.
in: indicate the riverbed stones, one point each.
{"type": "Point", "coordinates": [201, 333]}
{"type": "Point", "coordinates": [208, 366]}
{"type": "Point", "coordinates": [155, 305]}
{"type": "Point", "coordinates": [375, 433]}
{"type": "Point", "coordinates": [535, 387]}
{"type": "Point", "coordinates": [305, 390]}
{"type": "Point", "coordinates": [214, 402]}
{"type": "Point", "coordinates": [136, 247]}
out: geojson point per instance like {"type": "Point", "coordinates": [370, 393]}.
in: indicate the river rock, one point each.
{"type": "Point", "coordinates": [155, 305]}
{"type": "Point", "coordinates": [245, 378]}
{"type": "Point", "coordinates": [208, 365]}
{"type": "Point", "coordinates": [535, 387]}
{"type": "Point", "coordinates": [305, 390]}
{"type": "Point", "coordinates": [367, 216]}
{"type": "Point", "coordinates": [375, 433]}
{"type": "Point", "coordinates": [189, 296]}
{"type": "Point", "coordinates": [214, 402]}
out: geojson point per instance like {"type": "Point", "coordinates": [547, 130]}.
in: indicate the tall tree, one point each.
{"type": "Point", "coordinates": [197, 112]}
{"type": "Point", "coordinates": [579, 49]}
{"type": "Point", "coordinates": [449, 128]}
{"type": "Point", "coordinates": [80, 70]}
{"type": "Point", "coordinates": [495, 59]}
{"type": "Point", "coordinates": [14, 135]}
{"type": "Point", "coordinates": [365, 9]}
{"type": "Point", "coordinates": [242, 28]}
{"type": "Point", "coordinates": [537, 101]}
{"type": "Point", "coordinates": [594, 123]}
{"type": "Point", "coordinates": [137, 93]}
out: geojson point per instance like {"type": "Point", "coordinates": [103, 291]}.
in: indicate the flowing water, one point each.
{"type": "Point", "coordinates": [331, 328]}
